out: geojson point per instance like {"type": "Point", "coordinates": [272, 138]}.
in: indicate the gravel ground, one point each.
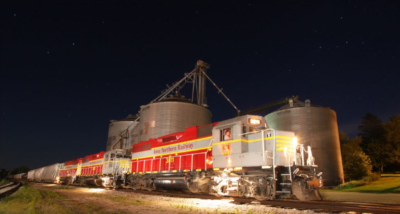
{"type": "Point", "coordinates": [131, 202]}
{"type": "Point", "coordinates": [382, 198]}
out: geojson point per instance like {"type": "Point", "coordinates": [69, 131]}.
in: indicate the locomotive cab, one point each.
{"type": "Point", "coordinates": [231, 146]}
{"type": "Point", "coordinates": [116, 165]}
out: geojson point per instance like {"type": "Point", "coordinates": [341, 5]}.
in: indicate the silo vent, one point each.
{"type": "Point", "coordinates": [308, 103]}
{"type": "Point", "coordinates": [291, 102]}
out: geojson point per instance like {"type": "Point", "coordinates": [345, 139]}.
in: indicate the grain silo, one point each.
{"type": "Point", "coordinates": [317, 127]}
{"type": "Point", "coordinates": [170, 115]}
{"type": "Point", "coordinates": [117, 132]}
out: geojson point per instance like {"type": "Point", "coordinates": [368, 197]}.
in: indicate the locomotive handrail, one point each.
{"type": "Point", "coordinates": [263, 146]}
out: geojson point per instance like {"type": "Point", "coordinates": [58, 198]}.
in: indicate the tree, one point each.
{"type": "Point", "coordinates": [392, 136]}
{"type": "Point", "coordinates": [371, 129]}
{"type": "Point", "coordinates": [375, 142]}
{"type": "Point", "coordinates": [343, 139]}
{"type": "Point", "coordinates": [18, 170]}
{"type": "Point", "coordinates": [356, 164]}
{"type": "Point", "coordinates": [381, 153]}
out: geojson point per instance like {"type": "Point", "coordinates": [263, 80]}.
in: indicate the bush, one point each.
{"type": "Point", "coordinates": [4, 181]}
{"type": "Point", "coordinates": [351, 184]}
{"type": "Point", "coordinates": [356, 164]}
{"type": "Point", "coordinates": [357, 183]}
{"type": "Point", "coordinates": [374, 177]}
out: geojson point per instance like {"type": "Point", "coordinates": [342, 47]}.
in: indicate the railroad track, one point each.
{"type": "Point", "coordinates": [8, 189]}
{"type": "Point", "coordinates": [6, 185]}
{"type": "Point", "coordinates": [316, 206]}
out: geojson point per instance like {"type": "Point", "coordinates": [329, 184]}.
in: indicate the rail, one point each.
{"type": "Point", "coordinates": [6, 190]}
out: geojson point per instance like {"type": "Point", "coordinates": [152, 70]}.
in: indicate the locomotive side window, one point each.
{"type": "Point", "coordinates": [226, 134]}
{"type": "Point", "coordinates": [107, 157]}
{"type": "Point", "coordinates": [251, 129]}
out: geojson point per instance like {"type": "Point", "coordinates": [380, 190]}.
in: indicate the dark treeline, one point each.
{"type": "Point", "coordinates": [376, 148]}
{"type": "Point", "coordinates": [4, 173]}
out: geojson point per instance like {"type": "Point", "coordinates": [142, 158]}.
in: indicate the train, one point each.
{"type": "Point", "coordinates": [239, 157]}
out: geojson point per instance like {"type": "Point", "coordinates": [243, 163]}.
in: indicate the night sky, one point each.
{"type": "Point", "coordinates": [67, 68]}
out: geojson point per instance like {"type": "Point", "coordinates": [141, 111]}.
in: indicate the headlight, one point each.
{"type": "Point", "coordinates": [254, 122]}
{"type": "Point", "coordinates": [294, 141]}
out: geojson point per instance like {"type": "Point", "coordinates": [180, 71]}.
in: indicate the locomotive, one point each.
{"type": "Point", "coordinates": [239, 157]}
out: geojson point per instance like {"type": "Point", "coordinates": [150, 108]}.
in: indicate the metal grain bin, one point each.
{"type": "Point", "coordinates": [169, 116]}
{"type": "Point", "coordinates": [50, 173]}
{"type": "Point", "coordinates": [116, 130]}
{"type": "Point", "coordinates": [316, 127]}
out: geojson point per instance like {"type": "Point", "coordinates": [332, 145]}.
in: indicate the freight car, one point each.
{"type": "Point", "coordinates": [47, 174]}
{"type": "Point", "coordinates": [237, 157]}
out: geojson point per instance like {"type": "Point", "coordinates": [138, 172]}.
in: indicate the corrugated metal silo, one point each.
{"type": "Point", "coordinates": [316, 127]}
{"type": "Point", "coordinates": [117, 127]}
{"type": "Point", "coordinates": [168, 116]}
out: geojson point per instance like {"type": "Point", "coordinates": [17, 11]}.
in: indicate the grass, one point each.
{"type": "Point", "coordinates": [388, 183]}
{"type": "Point", "coordinates": [31, 201]}
{"type": "Point", "coordinates": [4, 182]}
{"type": "Point", "coordinates": [28, 200]}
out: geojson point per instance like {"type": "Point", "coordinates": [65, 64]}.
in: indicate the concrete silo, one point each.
{"type": "Point", "coordinates": [317, 127]}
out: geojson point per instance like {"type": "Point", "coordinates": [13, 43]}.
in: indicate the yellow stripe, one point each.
{"type": "Point", "coordinates": [93, 165]}
{"type": "Point", "coordinates": [181, 143]}
{"type": "Point", "coordinates": [251, 141]}
{"type": "Point", "coordinates": [282, 149]}
{"type": "Point", "coordinates": [284, 141]}
{"type": "Point", "coordinates": [229, 141]}
{"type": "Point", "coordinates": [120, 161]}
{"type": "Point", "coordinates": [96, 159]}
{"type": "Point", "coordinates": [171, 153]}
{"type": "Point", "coordinates": [285, 137]}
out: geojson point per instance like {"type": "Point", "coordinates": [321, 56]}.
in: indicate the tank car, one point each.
{"type": "Point", "coordinates": [20, 177]}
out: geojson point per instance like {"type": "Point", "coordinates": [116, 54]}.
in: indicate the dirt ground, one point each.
{"type": "Point", "coordinates": [110, 201]}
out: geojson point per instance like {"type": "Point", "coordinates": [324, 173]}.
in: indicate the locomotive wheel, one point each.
{"type": "Point", "coordinates": [301, 192]}
{"type": "Point", "coordinates": [263, 191]}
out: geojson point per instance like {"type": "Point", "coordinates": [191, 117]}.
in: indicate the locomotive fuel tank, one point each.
{"type": "Point", "coordinates": [171, 183]}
